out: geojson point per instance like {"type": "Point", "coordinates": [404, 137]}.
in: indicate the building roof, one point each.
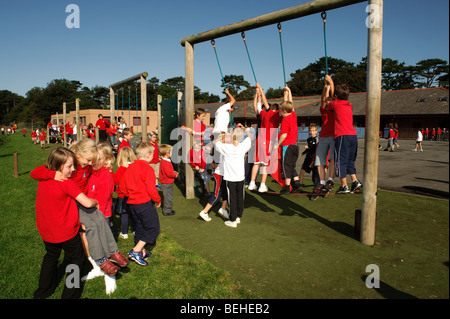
{"type": "Point", "coordinates": [399, 102]}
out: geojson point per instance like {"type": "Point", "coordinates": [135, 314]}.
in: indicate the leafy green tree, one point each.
{"type": "Point", "coordinates": [430, 70]}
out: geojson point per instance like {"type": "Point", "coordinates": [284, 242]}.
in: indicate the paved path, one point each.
{"type": "Point", "coordinates": [424, 173]}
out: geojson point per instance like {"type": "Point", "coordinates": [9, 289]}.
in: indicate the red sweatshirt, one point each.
{"type": "Point", "coordinates": [101, 188]}
{"type": "Point", "coordinates": [167, 174]}
{"type": "Point", "coordinates": [139, 183]}
{"type": "Point", "coordinates": [123, 144]}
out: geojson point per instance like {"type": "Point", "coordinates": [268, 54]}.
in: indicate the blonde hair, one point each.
{"type": "Point", "coordinates": [106, 149]}
{"type": "Point", "coordinates": [58, 157]}
{"type": "Point", "coordinates": [125, 156]}
{"type": "Point", "coordinates": [86, 149]}
{"type": "Point", "coordinates": [287, 106]}
{"type": "Point", "coordinates": [143, 149]}
{"type": "Point", "coordinates": [238, 133]}
{"type": "Point", "coordinates": [165, 149]}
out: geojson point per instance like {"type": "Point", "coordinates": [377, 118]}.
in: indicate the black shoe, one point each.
{"type": "Point", "coordinates": [329, 185]}
{"type": "Point", "coordinates": [286, 190]}
{"type": "Point", "coordinates": [356, 186]}
{"type": "Point", "coordinates": [169, 214]}
{"type": "Point", "coordinates": [298, 188]}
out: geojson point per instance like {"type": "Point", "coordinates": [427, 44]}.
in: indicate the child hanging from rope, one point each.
{"type": "Point", "coordinates": [266, 137]}
{"type": "Point", "coordinates": [288, 140]}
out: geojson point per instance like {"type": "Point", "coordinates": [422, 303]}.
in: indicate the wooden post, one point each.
{"type": "Point", "coordinates": [295, 12]}
{"type": "Point", "coordinates": [97, 138]}
{"type": "Point", "coordinates": [16, 165]}
{"type": "Point", "coordinates": [158, 116]}
{"type": "Point", "coordinates": [77, 116]}
{"type": "Point", "coordinates": [64, 124]}
{"type": "Point", "coordinates": [374, 64]}
{"type": "Point", "coordinates": [144, 108]}
{"type": "Point", "coordinates": [189, 115]}
{"type": "Point", "coordinates": [111, 104]}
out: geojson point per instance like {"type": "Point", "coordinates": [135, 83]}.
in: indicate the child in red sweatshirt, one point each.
{"type": "Point", "coordinates": [167, 176]}
{"type": "Point", "coordinates": [138, 184]}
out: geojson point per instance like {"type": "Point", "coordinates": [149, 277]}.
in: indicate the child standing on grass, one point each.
{"type": "Point", "coordinates": [234, 171]}
{"type": "Point", "coordinates": [346, 141]}
{"type": "Point", "coordinates": [42, 138]}
{"type": "Point", "coordinates": [138, 183]}
{"type": "Point", "coordinates": [155, 162]}
{"type": "Point", "coordinates": [58, 224]}
{"type": "Point", "coordinates": [167, 177]}
{"type": "Point", "coordinates": [127, 137]}
{"type": "Point", "coordinates": [310, 153]}
{"type": "Point", "coordinates": [124, 159]}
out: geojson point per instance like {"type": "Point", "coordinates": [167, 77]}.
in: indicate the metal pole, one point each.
{"type": "Point", "coordinates": [301, 10]}
{"type": "Point", "coordinates": [374, 58]}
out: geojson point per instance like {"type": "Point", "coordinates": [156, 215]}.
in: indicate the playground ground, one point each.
{"type": "Point", "coordinates": [421, 173]}
{"type": "Point", "coordinates": [286, 247]}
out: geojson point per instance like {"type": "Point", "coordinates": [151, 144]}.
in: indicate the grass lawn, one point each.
{"type": "Point", "coordinates": [285, 246]}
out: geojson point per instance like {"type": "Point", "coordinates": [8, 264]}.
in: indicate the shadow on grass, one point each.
{"type": "Point", "coordinates": [291, 208]}
{"type": "Point", "coordinates": [389, 292]}
{"type": "Point", "coordinates": [427, 191]}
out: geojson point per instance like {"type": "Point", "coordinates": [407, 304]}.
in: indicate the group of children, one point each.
{"type": "Point", "coordinates": [74, 207]}
{"type": "Point", "coordinates": [38, 137]}
{"type": "Point", "coordinates": [75, 191]}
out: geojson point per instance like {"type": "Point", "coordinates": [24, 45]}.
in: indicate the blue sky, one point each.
{"type": "Point", "coordinates": [118, 39]}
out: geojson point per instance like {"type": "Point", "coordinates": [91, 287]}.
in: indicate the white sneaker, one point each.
{"type": "Point", "coordinates": [263, 188]}
{"type": "Point", "coordinates": [224, 213]}
{"type": "Point", "coordinates": [238, 220]}
{"type": "Point", "coordinates": [205, 216]}
{"type": "Point", "coordinates": [229, 223]}
{"type": "Point", "coordinates": [252, 186]}
{"type": "Point", "coordinates": [124, 236]}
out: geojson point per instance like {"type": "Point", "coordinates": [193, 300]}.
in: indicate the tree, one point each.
{"type": "Point", "coordinates": [430, 70]}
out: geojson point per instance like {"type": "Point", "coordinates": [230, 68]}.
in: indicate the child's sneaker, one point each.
{"type": "Point", "coordinates": [316, 193]}
{"type": "Point", "coordinates": [205, 216]}
{"type": "Point", "coordinates": [119, 259]}
{"type": "Point", "coordinates": [298, 188]}
{"type": "Point", "coordinates": [229, 223]}
{"type": "Point", "coordinates": [263, 188]}
{"type": "Point", "coordinates": [286, 190]}
{"type": "Point", "coordinates": [146, 254]}
{"type": "Point", "coordinates": [238, 220]}
{"type": "Point", "coordinates": [108, 267]}
{"type": "Point", "coordinates": [224, 213]}
{"type": "Point", "coordinates": [251, 186]}
{"type": "Point", "coordinates": [329, 185]}
{"type": "Point", "coordinates": [137, 257]}
{"type": "Point", "coordinates": [356, 186]}
{"type": "Point", "coordinates": [124, 236]}
{"type": "Point", "coordinates": [343, 190]}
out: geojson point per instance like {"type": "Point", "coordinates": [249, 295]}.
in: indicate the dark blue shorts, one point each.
{"type": "Point", "coordinates": [146, 222]}
{"type": "Point", "coordinates": [346, 149]}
